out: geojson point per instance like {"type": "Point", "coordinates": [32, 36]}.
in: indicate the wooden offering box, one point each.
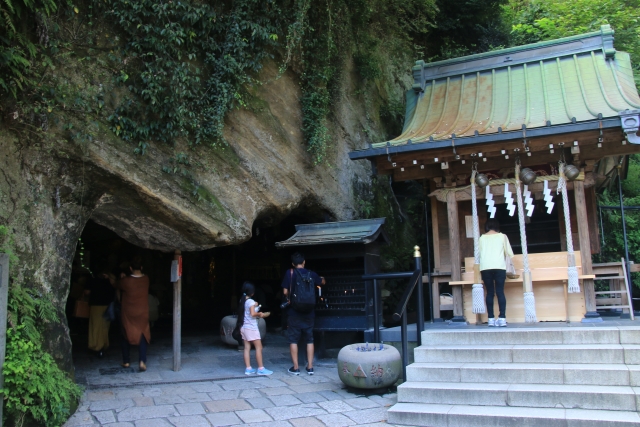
{"type": "Point", "coordinates": [549, 275]}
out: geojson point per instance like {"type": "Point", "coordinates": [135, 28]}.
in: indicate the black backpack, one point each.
{"type": "Point", "coordinates": [303, 297]}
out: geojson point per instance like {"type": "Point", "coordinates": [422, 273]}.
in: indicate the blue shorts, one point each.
{"type": "Point", "coordinates": [300, 327]}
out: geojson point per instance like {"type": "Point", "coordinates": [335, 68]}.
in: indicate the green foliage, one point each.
{"type": "Point", "coordinates": [466, 27]}
{"type": "Point", "coordinates": [365, 208]}
{"type": "Point", "coordinates": [536, 20]}
{"type": "Point", "coordinates": [18, 50]}
{"type": "Point", "coordinates": [367, 63]}
{"type": "Point", "coordinates": [178, 67]}
{"type": "Point", "coordinates": [6, 244]}
{"type": "Point", "coordinates": [393, 113]}
{"type": "Point", "coordinates": [402, 206]}
{"type": "Point", "coordinates": [325, 33]}
{"type": "Point", "coordinates": [613, 247]}
{"type": "Point", "coordinates": [178, 164]}
{"type": "Point", "coordinates": [186, 64]}
{"type": "Point", "coordinates": [181, 165]}
{"type": "Point", "coordinates": [35, 388]}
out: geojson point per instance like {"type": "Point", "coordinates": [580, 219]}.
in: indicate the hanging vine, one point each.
{"type": "Point", "coordinates": [178, 67]}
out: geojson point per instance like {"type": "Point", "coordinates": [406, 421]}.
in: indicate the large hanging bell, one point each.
{"type": "Point", "coordinates": [482, 180]}
{"type": "Point", "coordinates": [527, 176]}
{"type": "Point", "coordinates": [571, 172]}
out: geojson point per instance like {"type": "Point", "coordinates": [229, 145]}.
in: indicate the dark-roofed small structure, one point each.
{"type": "Point", "coordinates": [343, 252]}
{"type": "Point", "coordinates": [361, 231]}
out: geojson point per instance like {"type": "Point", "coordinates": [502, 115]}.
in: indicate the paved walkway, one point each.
{"type": "Point", "coordinates": [212, 390]}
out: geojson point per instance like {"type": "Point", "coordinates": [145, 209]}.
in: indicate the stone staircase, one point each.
{"type": "Point", "coordinates": [565, 377]}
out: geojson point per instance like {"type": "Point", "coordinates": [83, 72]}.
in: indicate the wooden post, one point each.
{"type": "Point", "coordinates": [585, 252]}
{"type": "Point", "coordinates": [177, 319]}
{"type": "Point", "coordinates": [435, 233]}
{"type": "Point", "coordinates": [435, 291]}
{"type": "Point", "coordinates": [454, 250]}
{"type": "Point", "coordinates": [4, 291]}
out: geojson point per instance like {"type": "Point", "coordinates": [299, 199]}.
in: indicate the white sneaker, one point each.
{"type": "Point", "coordinates": [492, 322]}
{"type": "Point", "coordinates": [501, 322]}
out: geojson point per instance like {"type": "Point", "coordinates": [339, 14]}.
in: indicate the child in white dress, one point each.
{"type": "Point", "coordinates": [249, 331]}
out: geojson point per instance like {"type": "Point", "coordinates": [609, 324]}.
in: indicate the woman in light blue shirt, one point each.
{"type": "Point", "coordinates": [494, 246]}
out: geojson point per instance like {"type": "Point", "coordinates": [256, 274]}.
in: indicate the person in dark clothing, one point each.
{"type": "Point", "coordinates": [101, 293]}
{"type": "Point", "coordinates": [300, 325]}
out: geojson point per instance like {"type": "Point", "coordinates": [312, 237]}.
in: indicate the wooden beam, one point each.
{"type": "Point", "coordinates": [4, 292]}
{"type": "Point", "coordinates": [415, 172]}
{"type": "Point", "coordinates": [612, 139]}
{"type": "Point", "coordinates": [454, 250]}
{"type": "Point", "coordinates": [177, 319]}
{"type": "Point", "coordinates": [585, 249]}
{"type": "Point", "coordinates": [426, 167]}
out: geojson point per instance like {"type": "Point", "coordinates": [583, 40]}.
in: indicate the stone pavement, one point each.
{"type": "Point", "coordinates": [212, 390]}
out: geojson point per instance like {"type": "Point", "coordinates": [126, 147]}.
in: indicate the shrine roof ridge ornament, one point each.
{"type": "Point", "coordinates": [562, 86]}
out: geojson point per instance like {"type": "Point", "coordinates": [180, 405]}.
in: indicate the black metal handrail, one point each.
{"type": "Point", "coordinates": [415, 278]}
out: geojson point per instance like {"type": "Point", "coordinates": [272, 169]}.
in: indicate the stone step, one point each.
{"type": "Point", "coordinates": [533, 335]}
{"type": "Point", "coordinates": [526, 373]}
{"type": "Point", "coordinates": [422, 414]}
{"type": "Point", "coordinates": [592, 353]}
{"type": "Point", "coordinates": [613, 398]}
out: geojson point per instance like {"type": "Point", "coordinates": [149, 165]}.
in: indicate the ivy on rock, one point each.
{"type": "Point", "coordinates": [185, 64]}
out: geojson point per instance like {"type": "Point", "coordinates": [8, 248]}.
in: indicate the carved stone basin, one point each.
{"type": "Point", "coordinates": [369, 365]}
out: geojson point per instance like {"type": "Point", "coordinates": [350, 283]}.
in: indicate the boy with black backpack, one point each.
{"type": "Point", "coordinates": [299, 287]}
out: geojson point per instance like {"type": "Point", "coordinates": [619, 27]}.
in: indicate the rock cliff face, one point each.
{"type": "Point", "coordinates": [49, 190]}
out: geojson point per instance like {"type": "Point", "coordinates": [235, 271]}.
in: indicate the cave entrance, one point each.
{"type": "Point", "coordinates": [100, 249]}
{"type": "Point", "coordinates": [211, 284]}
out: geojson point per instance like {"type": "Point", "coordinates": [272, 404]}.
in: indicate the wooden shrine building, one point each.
{"type": "Point", "coordinates": [573, 99]}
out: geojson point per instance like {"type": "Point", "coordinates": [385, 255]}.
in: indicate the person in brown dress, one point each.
{"type": "Point", "coordinates": [135, 313]}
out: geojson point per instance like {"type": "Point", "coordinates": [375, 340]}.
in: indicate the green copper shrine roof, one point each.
{"type": "Point", "coordinates": [359, 231]}
{"type": "Point", "coordinates": [570, 80]}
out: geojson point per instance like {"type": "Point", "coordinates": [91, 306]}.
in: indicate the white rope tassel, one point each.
{"type": "Point", "coordinates": [529, 301]}
{"type": "Point", "coordinates": [529, 308]}
{"type": "Point", "coordinates": [478, 298]}
{"type": "Point", "coordinates": [573, 284]}
{"type": "Point", "coordinates": [477, 289]}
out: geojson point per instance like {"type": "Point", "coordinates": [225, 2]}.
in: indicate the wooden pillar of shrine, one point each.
{"type": "Point", "coordinates": [591, 314]}
{"type": "Point", "coordinates": [454, 251]}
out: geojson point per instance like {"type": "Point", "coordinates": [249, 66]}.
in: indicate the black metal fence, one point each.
{"type": "Point", "coordinates": [400, 313]}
